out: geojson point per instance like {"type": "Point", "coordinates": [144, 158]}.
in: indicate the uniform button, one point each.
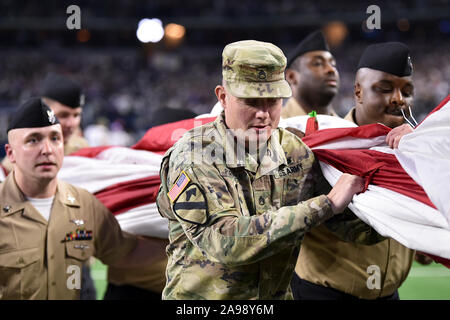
{"type": "Point", "coordinates": [52, 256]}
{"type": "Point", "coordinates": [53, 283]}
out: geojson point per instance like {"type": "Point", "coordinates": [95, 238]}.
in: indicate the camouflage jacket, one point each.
{"type": "Point", "coordinates": [235, 226]}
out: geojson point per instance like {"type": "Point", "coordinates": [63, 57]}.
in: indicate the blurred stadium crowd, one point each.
{"type": "Point", "coordinates": [225, 8]}
{"type": "Point", "coordinates": [122, 88]}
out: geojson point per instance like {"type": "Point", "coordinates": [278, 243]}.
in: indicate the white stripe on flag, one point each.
{"type": "Point", "coordinates": [144, 220]}
{"type": "Point", "coordinates": [425, 156]}
{"type": "Point", "coordinates": [95, 174]}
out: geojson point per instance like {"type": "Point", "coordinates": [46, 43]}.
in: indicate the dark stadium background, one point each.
{"type": "Point", "coordinates": [125, 80]}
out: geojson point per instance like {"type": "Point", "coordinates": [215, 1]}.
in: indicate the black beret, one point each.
{"type": "Point", "coordinates": [32, 114]}
{"type": "Point", "coordinates": [313, 42]}
{"type": "Point", "coordinates": [64, 90]}
{"type": "Point", "coordinates": [390, 57]}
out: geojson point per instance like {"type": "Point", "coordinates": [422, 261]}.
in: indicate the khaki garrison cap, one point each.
{"type": "Point", "coordinates": [254, 69]}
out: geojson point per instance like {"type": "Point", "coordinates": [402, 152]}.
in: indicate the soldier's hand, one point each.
{"type": "Point", "coordinates": [422, 258]}
{"type": "Point", "coordinates": [394, 136]}
{"type": "Point", "coordinates": [344, 190]}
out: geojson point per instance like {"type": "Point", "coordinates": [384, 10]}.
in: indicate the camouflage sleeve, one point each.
{"type": "Point", "coordinates": [346, 226]}
{"type": "Point", "coordinates": [218, 228]}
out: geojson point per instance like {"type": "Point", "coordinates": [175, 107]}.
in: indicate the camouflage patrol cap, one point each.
{"type": "Point", "coordinates": [254, 69]}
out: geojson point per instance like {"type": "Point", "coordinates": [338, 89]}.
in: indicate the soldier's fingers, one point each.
{"type": "Point", "coordinates": [396, 142]}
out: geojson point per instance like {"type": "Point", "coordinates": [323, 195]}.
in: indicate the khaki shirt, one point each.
{"type": "Point", "coordinates": [292, 109]}
{"type": "Point", "coordinates": [38, 258]}
{"type": "Point", "coordinates": [236, 227]}
{"type": "Point", "coordinates": [326, 259]}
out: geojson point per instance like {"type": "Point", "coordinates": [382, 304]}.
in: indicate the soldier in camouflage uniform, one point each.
{"type": "Point", "coordinates": [239, 192]}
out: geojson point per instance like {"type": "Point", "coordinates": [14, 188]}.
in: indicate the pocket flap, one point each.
{"type": "Point", "coordinates": [80, 250]}
{"type": "Point", "coordinates": [19, 258]}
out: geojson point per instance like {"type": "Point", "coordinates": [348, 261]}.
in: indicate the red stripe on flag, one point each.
{"type": "Point", "coordinates": [328, 135]}
{"type": "Point", "coordinates": [131, 194]}
{"type": "Point", "coordinates": [443, 261]}
{"type": "Point", "coordinates": [160, 138]}
{"type": "Point", "coordinates": [364, 163]}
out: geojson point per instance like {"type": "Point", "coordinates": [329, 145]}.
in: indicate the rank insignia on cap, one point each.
{"type": "Point", "coordinates": [179, 186]}
{"type": "Point", "coordinates": [409, 63]}
{"type": "Point", "coordinates": [51, 116]}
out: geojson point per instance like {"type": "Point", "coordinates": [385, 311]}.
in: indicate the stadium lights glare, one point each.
{"type": "Point", "coordinates": [150, 30]}
{"type": "Point", "coordinates": [175, 31]}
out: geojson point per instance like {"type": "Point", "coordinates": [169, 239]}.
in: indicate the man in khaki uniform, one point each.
{"type": "Point", "coordinates": [240, 193]}
{"type": "Point", "coordinates": [65, 97]}
{"type": "Point", "coordinates": [313, 77]}
{"type": "Point", "coordinates": [49, 228]}
{"type": "Point", "coordinates": [328, 267]}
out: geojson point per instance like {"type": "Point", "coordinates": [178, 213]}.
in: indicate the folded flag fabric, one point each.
{"type": "Point", "coordinates": [406, 198]}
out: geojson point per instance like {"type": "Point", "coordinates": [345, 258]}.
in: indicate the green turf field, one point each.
{"type": "Point", "coordinates": [430, 282]}
{"type": "Point", "coordinates": [98, 273]}
{"type": "Point", "coordinates": [423, 283]}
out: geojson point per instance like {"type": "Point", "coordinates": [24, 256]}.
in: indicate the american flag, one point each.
{"type": "Point", "coordinates": [179, 186]}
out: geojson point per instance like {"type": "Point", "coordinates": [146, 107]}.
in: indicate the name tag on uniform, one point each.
{"type": "Point", "coordinates": [286, 171]}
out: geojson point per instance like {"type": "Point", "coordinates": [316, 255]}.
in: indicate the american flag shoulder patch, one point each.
{"type": "Point", "coordinates": [179, 186]}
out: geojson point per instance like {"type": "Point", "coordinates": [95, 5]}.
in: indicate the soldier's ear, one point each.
{"type": "Point", "coordinates": [10, 153]}
{"type": "Point", "coordinates": [221, 95]}
{"type": "Point", "coordinates": [358, 93]}
{"type": "Point", "coordinates": [292, 77]}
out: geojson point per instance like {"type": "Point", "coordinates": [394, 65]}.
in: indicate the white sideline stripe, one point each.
{"type": "Point", "coordinates": [424, 273]}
